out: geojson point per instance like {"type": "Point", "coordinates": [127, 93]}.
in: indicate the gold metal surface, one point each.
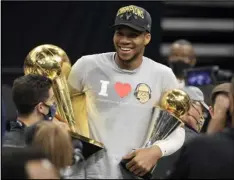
{"type": "Point", "coordinates": [175, 101]}
{"type": "Point", "coordinates": [47, 60]}
{"type": "Point", "coordinates": [51, 61]}
{"type": "Point", "coordinates": [167, 115]}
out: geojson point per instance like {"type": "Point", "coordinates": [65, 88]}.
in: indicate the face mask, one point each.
{"type": "Point", "coordinates": [178, 68]}
{"type": "Point", "coordinates": [52, 112]}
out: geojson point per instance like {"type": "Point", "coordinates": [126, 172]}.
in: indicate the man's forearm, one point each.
{"type": "Point", "coordinates": [172, 143]}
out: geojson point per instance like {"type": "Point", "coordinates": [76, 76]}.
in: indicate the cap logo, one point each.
{"type": "Point", "coordinates": [131, 9]}
{"type": "Point", "coordinates": [128, 16]}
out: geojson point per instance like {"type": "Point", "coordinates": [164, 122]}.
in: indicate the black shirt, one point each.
{"type": "Point", "coordinates": [208, 156]}
{"type": "Point", "coordinates": [190, 133]}
{"type": "Point", "coordinates": [15, 137]}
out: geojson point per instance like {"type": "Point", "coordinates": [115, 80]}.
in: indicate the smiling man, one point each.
{"type": "Point", "coordinates": [122, 88]}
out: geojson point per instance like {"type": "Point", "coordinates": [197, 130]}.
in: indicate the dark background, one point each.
{"type": "Point", "coordinates": [80, 28]}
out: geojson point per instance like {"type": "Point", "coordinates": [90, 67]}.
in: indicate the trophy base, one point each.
{"type": "Point", "coordinates": [123, 165]}
{"type": "Point", "coordinates": [90, 146]}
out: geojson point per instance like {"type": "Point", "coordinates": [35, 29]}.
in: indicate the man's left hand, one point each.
{"type": "Point", "coordinates": [143, 160]}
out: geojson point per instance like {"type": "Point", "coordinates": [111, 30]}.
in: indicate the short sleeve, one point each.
{"type": "Point", "coordinates": [77, 75]}
{"type": "Point", "coordinates": [169, 80]}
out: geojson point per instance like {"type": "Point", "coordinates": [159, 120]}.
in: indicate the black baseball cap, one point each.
{"type": "Point", "coordinates": [134, 17]}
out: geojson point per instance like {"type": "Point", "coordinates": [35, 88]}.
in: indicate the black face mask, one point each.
{"type": "Point", "coordinates": [178, 68]}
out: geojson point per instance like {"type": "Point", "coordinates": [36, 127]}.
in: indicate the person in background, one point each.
{"type": "Point", "coordinates": [194, 119]}
{"type": "Point", "coordinates": [26, 163]}
{"type": "Point", "coordinates": [53, 140]}
{"type": "Point", "coordinates": [57, 144]}
{"type": "Point", "coordinates": [220, 109]}
{"type": "Point", "coordinates": [208, 156]}
{"type": "Point", "coordinates": [181, 56]}
{"type": "Point", "coordinates": [34, 99]}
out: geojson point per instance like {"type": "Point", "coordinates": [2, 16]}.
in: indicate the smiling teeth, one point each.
{"type": "Point", "coordinates": [125, 49]}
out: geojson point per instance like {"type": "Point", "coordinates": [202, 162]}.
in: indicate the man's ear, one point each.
{"type": "Point", "coordinates": [147, 39]}
{"type": "Point", "coordinates": [40, 107]}
{"type": "Point", "coordinates": [211, 111]}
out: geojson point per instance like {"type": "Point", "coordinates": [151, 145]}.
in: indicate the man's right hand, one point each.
{"type": "Point", "coordinates": [222, 103]}
{"type": "Point", "coordinates": [219, 114]}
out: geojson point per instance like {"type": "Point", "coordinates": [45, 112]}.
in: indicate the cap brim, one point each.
{"type": "Point", "coordinates": [141, 29]}
{"type": "Point", "coordinates": [205, 105]}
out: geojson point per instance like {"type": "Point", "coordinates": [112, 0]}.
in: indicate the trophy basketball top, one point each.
{"type": "Point", "coordinates": [175, 101]}
{"type": "Point", "coordinates": [48, 60]}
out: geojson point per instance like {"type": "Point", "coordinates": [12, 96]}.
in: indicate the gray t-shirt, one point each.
{"type": "Point", "coordinates": [124, 100]}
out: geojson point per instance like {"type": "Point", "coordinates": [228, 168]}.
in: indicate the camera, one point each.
{"type": "Point", "coordinates": [203, 76]}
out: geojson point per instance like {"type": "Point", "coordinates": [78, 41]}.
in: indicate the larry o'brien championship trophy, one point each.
{"type": "Point", "coordinates": [166, 118]}
{"type": "Point", "coordinates": [51, 61]}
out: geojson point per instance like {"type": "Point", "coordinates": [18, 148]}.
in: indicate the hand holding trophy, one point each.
{"type": "Point", "coordinates": [51, 61]}
{"type": "Point", "coordinates": [166, 118]}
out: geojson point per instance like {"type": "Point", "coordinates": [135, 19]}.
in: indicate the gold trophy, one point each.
{"type": "Point", "coordinates": [166, 118]}
{"type": "Point", "coordinates": [51, 61]}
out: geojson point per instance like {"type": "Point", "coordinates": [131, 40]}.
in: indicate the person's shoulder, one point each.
{"type": "Point", "coordinates": [14, 138]}
{"type": "Point", "coordinates": [92, 60]}
{"type": "Point", "coordinates": [96, 57]}
{"type": "Point", "coordinates": [156, 65]}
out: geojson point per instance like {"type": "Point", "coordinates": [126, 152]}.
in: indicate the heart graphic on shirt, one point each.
{"type": "Point", "coordinates": [122, 89]}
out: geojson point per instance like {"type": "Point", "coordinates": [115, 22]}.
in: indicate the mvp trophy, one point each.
{"type": "Point", "coordinates": [51, 61]}
{"type": "Point", "coordinates": [166, 118]}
